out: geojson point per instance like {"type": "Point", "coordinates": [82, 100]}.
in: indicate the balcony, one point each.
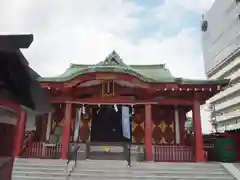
{"type": "Point", "coordinates": [234, 75]}
{"type": "Point", "coordinates": [228, 116]}
{"type": "Point", "coordinates": [227, 103]}
{"type": "Point", "coordinates": [226, 68]}
{"type": "Point", "coordinates": [225, 93]}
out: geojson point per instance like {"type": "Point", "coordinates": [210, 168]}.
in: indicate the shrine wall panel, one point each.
{"type": "Point", "coordinates": [163, 124]}
{"type": "Point", "coordinates": [137, 125]}
{"type": "Point", "coordinates": [138, 119]}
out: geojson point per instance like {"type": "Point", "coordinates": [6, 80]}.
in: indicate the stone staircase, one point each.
{"type": "Point", "coordinates": [107, 169]}
{"type": "Point", "coordinates": [35, 169]}
{"type": "Point", "coordinates": [39, 169]}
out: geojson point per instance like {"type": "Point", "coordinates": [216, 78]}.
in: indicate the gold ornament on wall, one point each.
{"type": "Point", "coordinates": [162, 126]}
{"type": "Point", "coordinates": [163, 141]}
{"type": "Point", "coordinates": [172, 127]}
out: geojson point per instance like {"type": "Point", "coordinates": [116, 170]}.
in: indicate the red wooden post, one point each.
{"type": "Point", "coordinates": [199, 151]}
{"type": "Point", "coordinates": [148, 132]}
{"type": "Point", "coordinates": [20, 128]}
{"type": "Point", "coordinates": [66, 132]}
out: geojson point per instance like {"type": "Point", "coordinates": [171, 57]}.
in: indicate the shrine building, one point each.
{"type": "Point", "coordinates": [157, 102]}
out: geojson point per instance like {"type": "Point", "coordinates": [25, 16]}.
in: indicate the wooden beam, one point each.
{"type": "Point", "coordinates": [120, 100]}
{"type": "Point", "coordinates": [175, 102]}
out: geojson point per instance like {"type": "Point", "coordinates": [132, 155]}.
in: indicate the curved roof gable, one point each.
{"type": "Point", "coordinates": [113, 63]}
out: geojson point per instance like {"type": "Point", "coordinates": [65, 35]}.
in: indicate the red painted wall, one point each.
{"type": "Point", "coordinates": [7, 132]}
{"type": "Point", "coordinates": [163, 125]}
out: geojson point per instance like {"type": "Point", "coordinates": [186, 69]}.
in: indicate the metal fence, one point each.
{"type": "Point", "coordinates": [172, 153]}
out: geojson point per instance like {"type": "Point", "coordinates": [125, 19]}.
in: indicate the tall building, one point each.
{"type": "Point", "coordinates": [221, 52]}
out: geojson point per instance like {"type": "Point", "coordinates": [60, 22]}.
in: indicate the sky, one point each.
{"type": "Point", "coordinates": [86, 31]}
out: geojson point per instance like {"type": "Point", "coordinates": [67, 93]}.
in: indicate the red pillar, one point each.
{"type": "Point", "coordinates": [66, 131]}
{"type": "Point", "coordinates": [199, 151]}
{"type": "Point", "coordinates": [148, 132]}
{"type": "Point", "coordinates": [20, 128]}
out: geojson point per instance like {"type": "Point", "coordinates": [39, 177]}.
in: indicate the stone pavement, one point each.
{"type": "Point", "coordinates": [233, 169]}
{"type": "Point", "coordinates": [237, 165]}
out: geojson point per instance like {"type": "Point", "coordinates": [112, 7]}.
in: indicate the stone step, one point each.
{"type": "Point", "coordinates": [156, 163]}
{"type": "Point", "coordinates": [121, 164]}
{"type": "Point", "coordinates": [81, 168]}
{"type": "Point", "coordinates": [151, 178]}
{"type": "Point", "coordinates": [40, 161]}
{"type": "Point", "coordinates": [125, 170]}
{"type": "Point", "coordinates": [35, 169]}
{"type": "Point", "coordinates": [163, 176]}
{"type": "Point", "coordinates": [148, 169]}
{"type": "Point", "coordinates": [110, 165]}
{"type": "Point", "coordinates": [40, 174]}
{"type": "Point", "coordinates": [39, 169]}
{"type": "Point", "coordinates": [38, 165]}
{"type": "Point", "coordinates": [144, 171]}
{"type": "Point", "coordinates": [129, 178]}
{"type": "Point", "coordinates": [16, 177]}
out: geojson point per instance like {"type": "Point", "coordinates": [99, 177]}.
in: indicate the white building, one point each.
{"type": "Point", "coordinates": [221, 52]}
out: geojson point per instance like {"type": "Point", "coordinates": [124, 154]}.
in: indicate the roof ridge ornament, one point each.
{"type": "Point", "coordinates": [113, 59]}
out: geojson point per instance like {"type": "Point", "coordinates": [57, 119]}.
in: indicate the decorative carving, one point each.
{"type": "Point", "coordinates": [162, 126]}
{"type": "Point", "coordinates": [108, 89]}
{"type": "Point", "coordinates": [172, 127]}
{"type": "Point", "coordinates": [163, 141]}
{"type": "Point", "coordinates": [137, 127]}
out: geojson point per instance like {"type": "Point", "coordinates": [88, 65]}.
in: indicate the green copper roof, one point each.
{"type": "Point", "coordinates": [113, 63]}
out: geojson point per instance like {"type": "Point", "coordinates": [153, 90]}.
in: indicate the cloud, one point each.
{"type": "Point", "coordinates": [195, 5]}
{"type": "Point", "coordinates": [80, 31]}
{"type": "Point", "coordinates": [86, 31]}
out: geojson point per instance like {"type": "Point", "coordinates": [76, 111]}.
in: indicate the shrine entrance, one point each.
{"type": "Point", "coordinates": [107, 140]}
{"type": "Point", "coordinates": [107, 124]}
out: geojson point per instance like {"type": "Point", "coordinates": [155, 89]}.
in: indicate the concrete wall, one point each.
{"type": "Point", "coordinates": [223, 33]}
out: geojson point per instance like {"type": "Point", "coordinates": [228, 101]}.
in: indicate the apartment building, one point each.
{"type": "Point", "coordinates": [221, 51]}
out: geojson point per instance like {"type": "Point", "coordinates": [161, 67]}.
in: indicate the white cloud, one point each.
{"type": "Point", "coordinates": [195, 5]}
{"type": "Point", "coordinates": [81, 31]}
{"type": "Point", "coordinates": [86, 31]}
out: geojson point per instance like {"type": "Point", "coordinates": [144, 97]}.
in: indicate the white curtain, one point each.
{"type": "Point", "coordinates": [126, 122]}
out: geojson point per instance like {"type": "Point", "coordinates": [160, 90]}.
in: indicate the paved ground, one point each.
{"type": "Point", "coordinates": [233, 169]}
{"type": "Point", "coordinates": [237, 165]}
